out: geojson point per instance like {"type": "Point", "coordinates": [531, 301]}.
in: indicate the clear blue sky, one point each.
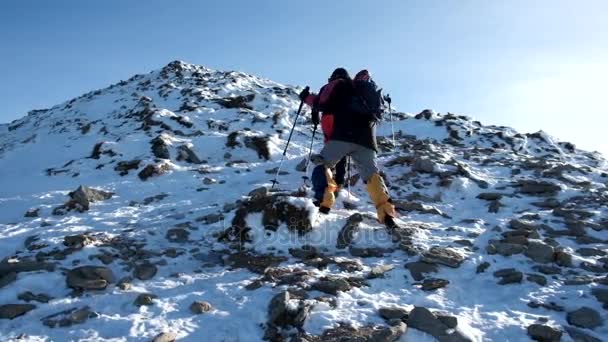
{"type": "Point", "coordinates": [526, 64]}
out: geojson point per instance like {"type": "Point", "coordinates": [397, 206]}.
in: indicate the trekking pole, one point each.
{"type": "Point", "coordinates": [312, 140]}
{"type": "Point", "coordinates": [348, 176]}
{"type": "Point", "coordinates": [295, 121]}
{"type": "Point", "coordinates": [388, 99]}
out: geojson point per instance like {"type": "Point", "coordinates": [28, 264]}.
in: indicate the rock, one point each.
{"type": "Point", "coordinates": [84, 196]}
{"type": "Point", "coordinates": [538, 188]}
{"type": "Point", "coordinates": [584, 318]}
{"type": "Point", "coordinates": [29, 296]}
{"type": "Point", "coordinates": [490, 196]}
{"type": "Point", "coordinates": [32, 213]}
{"type": "Point", "coordinates": [494, 207]}
{"type": "Point", "coordinates": [7, 278]}
{"type": "Point", "coordinates": [549, 306]}
{"type": "Point", "coordinates": [589, 252]}
{"type": "Point", "coordinates": [509, 276]}
{"type": "Point", "coordinates": [123, 167]}
{"type": "Point", "coordinates": [160, 148]}
{"type": "Point", "coordinates": [563, 258]}
{"type": "Point", "coordinates": [152, 170]}
{"type": "Point", "coordinates": [347, 233]}
{"type": "Point", "coordinates": [549, 203]}
{"type": "Point", "coordinates": [199, 307]}
{"type": "Point", "coordinates": [125, 283]}
{"type": "Point", "coordinates": [145, 271]}
{"type": "Point", "coordinates": [434, 284]}
{"type": "Point", "coordinates": [209, 181]}
{"type": "Point", "coordinates": [332, 286]}
{"type": "Point", "coordinates": [423, 165]}
{"type": "Point", "coordinates": [371, 252]}
{"type": "Point", "coordinates": [212, 218]}
{"type": "Point", "coordinates": [504, 249]}
{"type": "Point", "coordinates": [546, 269]}
{"type": "Point", "coordinates": [260, 145]}
{"type": "Point", "coordinates": [237, 101]}
{"type": "Point", "coordinates": [186, 154]}
{"type": "Point", "coordinates": [69, 317]}
{"type": "Point", "coordinates": [481, 268]}
{"type": "Point", "coordinates": [537, 278]}
{"type": "Point", "coordinates": [544, 333]}
{"type": "Point", "coordinates": [259, 192]}
{"type": "Point", "coordinates": [379, 271]}
{"type": "Point", "coordinates": [579, 335]}
{"type": "Point", "coordinates": [165, 337]}
{"type": "Point", "coordinates": [393, 312]}
{"type": "Point", "coordinates": [145, 299]}
{"type": "Point", "coordinates": [89, 278]}
{"type": "Point", "coordinates": [11, 311]}
{"type": "Point", "coordinates": [424, 320]}
{"type": "Point", "coordinates": [305, 252]}
{"type": "Point", "coordinates": [77, 241]}
{"type": "Point", "coordinates": [177, 235]}
{"type": "Point", "coordinates": [283, 312]}
{"type": "Point", "coordinates": [444, 256]}
{"type": "Point", "coordinates": [417, 269]}
{"type": "Point", "coordinates": [540, 252]}
{"type": "Point", "coordinates": [601, 295]}
{"type": "Point", "coordinates": [344, 332]}
{"type": "Point", "coordinates": [301, 167]}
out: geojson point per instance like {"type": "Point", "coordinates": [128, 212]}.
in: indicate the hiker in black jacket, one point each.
{"type": "Point", "coordinates": [354, 135]}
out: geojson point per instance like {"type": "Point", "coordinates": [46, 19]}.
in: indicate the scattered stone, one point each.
{"type": "Point", "coordinates": [7, 278]}
{"type": "Point", "coordinates": [32, 213]}
{"type": "Point", "coordinates": [282, 311]}
{"type": "Point", "coordinates": [434, 284]}
{"type": "Point", "coordinates": [444, 256]}
{"type": "Point", "coordinates": [81, 198]}
{"type": "Point", "coordinates": [393, 312]}
{"type": "Point", "coordinates": [165, 337]}
{"type": "Point", "coordinates": [371, 252]}
{"type": "Point", "coordinates": [259, 192]}
{"type": "Point", "coordinates": [177, 235]}
{"type": "Point", "coordinates": [544, 333]}
{"type": "Point", "coordinates": [11, 311]}
{"type": "Point", "coordinates": [125, 283]}
{"type": "Point", "coordinates": [549, 270]}
{"type": "Point", "coordinates": [540, 252]}
{"type": "Point", "coordinates": [347, 233]}
{"type": "Point", "coordinates": [199, 307]}
{"type": "Point", "coordinates": [579, 335]}
{"type": "Point", "coordinates": [152, 170]}
{"type": "Point", "coordinates": [418, 269]}
{"type": "Point", "coordinates": [344, 332]}
{"type": "Point", "coordinates": [549, 306]}
{"type": "Point", "coordinates": [537, 278]}
{"type": "Point", "coordinates": [423, 165]}
{"type": "Point", "coordinates": [89, 278]}
{"type": "Point", "coordinates": [424, 320]}
{"type": "Point", "coordinates": [379, 271]}
{"type": "Point", "coordinates": [504, 248]}
{"type": "Point", "coordinates": [578, 280]}
{"type": "Point", "coordinates": [301, 167]}
{"type": "Point", "coordinates": [563, 258]}
{"type": "Point", "coordinates": [490, 196]}
{"type": "Point", "coordinates": [145, 271]}
{"type": "Point", "coordinates": [509, 276]}
{"type": "Point", "coordinates": [209, 181]}
{"type": "Point", "coordinates": [531, 187]}
{"type": "Point", "coordinates": [160, 148]}
{"type": "Point", "coordinates": [332, 286]}
{"type": "Point", "coordinates": [186, 154]}
{"type": "Point", "coordinates": [584, 318]}
{"type": "Point", "coordinates": [145, 299]}
{"type": "Point", "coordinates": [213, 218]}
{"type": "Point", "coordinates": [29, 296]}
{"type": "Point", "coordinates": [601, 295]}
{"type": "Point", "coordinates": [590, 252]}
{"type": "Point", "coordinates": [481, 268]}
{"type": "Point", "coordinates": [254, 263]}
{"type": "Point", "coordinates": [69, 317]}
{"type": "Point", "coordinates": [123, 167]}
{"type": "Point", "coordinates": [77, 241]}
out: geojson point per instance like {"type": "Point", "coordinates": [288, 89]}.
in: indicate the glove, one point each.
{"type": "Point", "coordinates": [304, 93]}
{"type": "Point", "coordinates": [315, 117]}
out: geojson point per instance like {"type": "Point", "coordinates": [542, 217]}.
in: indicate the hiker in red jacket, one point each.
{"type": "Point", "coordinates": [327, 126]}
{"type": "Point", "coordinates": [353, 134]}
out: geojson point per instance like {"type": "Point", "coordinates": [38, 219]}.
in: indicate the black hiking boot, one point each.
{"type": "Point", "coordinates": [390, 223]}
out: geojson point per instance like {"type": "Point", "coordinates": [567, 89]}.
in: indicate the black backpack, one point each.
{"type": "Point", "coordinates": [367, 99]}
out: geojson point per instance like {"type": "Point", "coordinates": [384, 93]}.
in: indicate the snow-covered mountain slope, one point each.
{"type": "Point", "coordinates": [503, 234]}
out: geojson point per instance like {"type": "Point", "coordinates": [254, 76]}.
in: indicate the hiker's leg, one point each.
{"type": "Point", "coordinates": [330, 155]}
{"type": "Point", "coordinates": [365, 158]}
{"type": "Point", "coordinates": [341, 172]}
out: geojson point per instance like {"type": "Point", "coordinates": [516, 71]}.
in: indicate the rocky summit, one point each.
{"type": "Point", "coordinates": [144, 212]}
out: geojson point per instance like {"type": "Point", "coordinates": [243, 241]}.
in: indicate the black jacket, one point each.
{"type": "Point", "coordinates": [349, 126]}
